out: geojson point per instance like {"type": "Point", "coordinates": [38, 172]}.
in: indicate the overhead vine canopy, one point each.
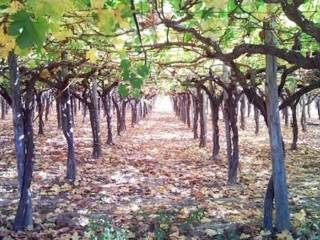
{"type": "Point", "coordinates": [202, 30]}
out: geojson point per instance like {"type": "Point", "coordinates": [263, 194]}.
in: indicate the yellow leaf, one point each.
{"type": "Point", "coordinates": [261, 15]}
{"type": "Point", "coordinates": [265, 233]}
{"type": "Point", "coordinates": [118, 16]}
{"type": "Point", "coordinates": [84, 221]}
{"type": "Point", "coordinates": [219, 4]}
{"type": "Point", "coordinates": [37, 220]}
{"type": "Point", "coordinates": [134, 207]}
{"type": "Point", "coordinates": [184, 213]}
{"type": "Point", "coordinates": [164, 226]}
{"type": "Point", "coordinates": [97, 4]}
{"type": "Point", "coordinates": [105, 20]}
{"type": "Point", "coordinates": [205, 220]}
{"type": "Point", "coordinates": [62, 35]}
{"type": "Point", "coordinates": [300, 217]}
{"type": "Point", "coordinates": [15, 6]}
{"type": "Point", "coordinates": [75, 236]}
{"type": "Point", "coordinates": [45, 74]}
{"type": "Point", "coordinates": [21, 51]}
{"type": "Point", "coordinates": [118, 42]}
{"type": "Point", "coordinates": [55, 188]}
{"type": "Point", "coordinates": [211, 232]}
{"type": "Point", "coordinates": [7, 43]}
{"type": "Point", "coordinates": [92, 55]}
{"type": "Point", "coordinates": [284, 235]}
{"type": "Point", "coordinates": [244, 236]}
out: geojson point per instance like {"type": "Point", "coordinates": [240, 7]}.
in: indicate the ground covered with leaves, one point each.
{"type": "Point", "coordinates": [156, 183]}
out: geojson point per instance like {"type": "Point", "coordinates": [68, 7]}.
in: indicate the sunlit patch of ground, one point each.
{"type": "Point", "coordinates": [154, 167]}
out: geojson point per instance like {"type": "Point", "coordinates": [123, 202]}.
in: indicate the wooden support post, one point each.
{"type": "Point", "coordinates": [276, 143]}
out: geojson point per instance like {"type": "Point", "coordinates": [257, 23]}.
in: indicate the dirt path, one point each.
{"type": "Point", "coordinates": [154, 167]}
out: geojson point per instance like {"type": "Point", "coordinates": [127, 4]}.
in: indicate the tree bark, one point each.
{"type": "Point", "coordinates": [47, 110]}
{"type": "Point", "coordinates": [318, 107]}
{"type": "Point", "coordinates": [295, 129]}
{"type": "Point", "coordinates": [118, 114]}
{"type": "Point", "coordinates": [188, 106]}
{"type": "Point", "coordinates": [3, 108]}
{"type": "Point", "coordinates": [123, 126]}
{"type": "Point", "coordinates": [84, 109]}
{"type": "Point", "coordinates": [175, 105]}
{"type": "Point", "coordinates": [140, 110]}
{"type": "Point", "coordinates": [203, 118]}
{"type": "Point", "coordinates": [309, 109]}
{"type": "Point", "coordinates": [72, 109]}
{"type": "Point", "coordinates": [256, 120]}
{"type": "Point", "coordinates": [215, 103]}
{"type": "Point", "coordinates": [109, 119]}
{"type": "Point", "coordinates": [242, 112]}
{"type": "Point", "coordinates": [232, 137]}
{"type": "Point", "coordinates": [134, 112]}
{"type": "Point", "coordinates": [67, 125]}
{"type": "Point", "coordinates": [231, 129]}
{"type": "Point", "coordinates": [75, 107]}
{"type": "Point", "coordinates": [286, 116]}
{"type": "Point", "coordinates": [40, 112]}
{"type": "Point", "coordinates": [24, 147]}
{"type": "Point", "coordinates": [58, 110]}
{"type": "Point", "coordinates": [268, 206]}
{"type": "Point", "coordinates": [215, 131]}
{"type": "Point", "coordinates": [7, 107]}
{"type": "Point", "coordinates": [249, 108]}
{"type": "Point", "coordinates": [95, 121]}
{"type": "Point", "coordinates": [195, 117]}
{"type": "Point", "coordinates": [303, 118]}
{"type": "Point", "coordinates": [145, 109]}
{"type": "Point", "coordinates": [276, 143]}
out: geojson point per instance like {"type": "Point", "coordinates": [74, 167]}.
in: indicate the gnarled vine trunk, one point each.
{"type": "Point", "coordinates": [67, 124]}
{"type": "Point", "coordinates": [195, 116]}
{"type": "Point", "coordinates": [106, 99]}
{"type": "Point", "coordinates": [242, 112]}
{"type": "Point", "coordinates": [95, 120]}
{"type": "Point", "coordinates": [295, 129]}
{"type": "Point", "coordinates": [203, 118]}
{"type": "Point", "coordinates": [232, 137]}
{"type": "Point", "coordinates": [40, 112]}
{"type": "Point", "coordinates": [24, 146]}
{"type": "Point", "coordinates": [303, 118]}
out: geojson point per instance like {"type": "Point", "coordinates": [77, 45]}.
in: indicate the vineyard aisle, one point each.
{"type": "Point", "coordinates": [153, 179]}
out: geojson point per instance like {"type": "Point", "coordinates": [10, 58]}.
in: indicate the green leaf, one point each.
{"type": "Point", "coordinates": [123, 90]}
{"type": "Point", "coordinates": [259, 3]}
{"type": "Point", "coordinates": [206, 13]}
{"type": "Point", "coordinates": [143, 7]}
{"type": "Point", "coordinates": [126, 75]}
{"type": "Point", "coordinates": [231, 5]}
{"type": "Point", "coordinates": [82, 3]}
{"type": "Point", "coordinates": [28, 31]}
{"type": "Point", "coordinates": [106, 22]}
{"type": "Point", "coordinates": [125, 64]}
{"type": "Point", "coordinates": [187, 37]}
{"type": "Point", "coordinates": [176, 4]}
{"type": "Point", "coordinates": [143, 70]}
{"type": "Point", "coordinates": [228, 35]}
{"type": "Point", "coordinates": [136, 93]}
{"type": "Point", "coordinates": [54, 9]}
{"type": "Point", "coordinates": [4, 2]}
{"type": "Point", "coordinates": [136, 82]}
